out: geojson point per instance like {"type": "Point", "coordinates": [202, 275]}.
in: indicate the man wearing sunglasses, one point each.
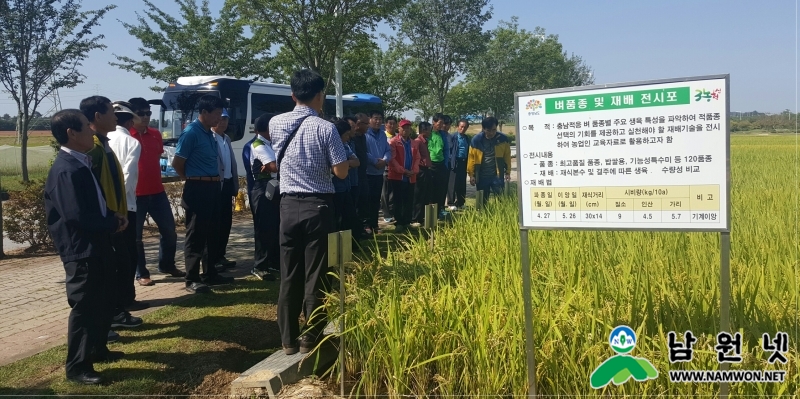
{"type": "Point", "coordinates": [151, 198]}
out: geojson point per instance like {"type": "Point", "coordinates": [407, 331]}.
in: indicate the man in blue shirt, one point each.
{"type": "Point", "coordinates": [457, 190]}
{"type": "Point", "coordinates": [197, 161]}
{"type": "Point", "coordinates": [379, 155]}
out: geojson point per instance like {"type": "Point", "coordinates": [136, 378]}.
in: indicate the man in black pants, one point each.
{"type": "Point", "coordinates": [457, 191]}
{"type": "Point", "coordinates": [361, 194]}
{"type": "Point", "coordinates": [266, 212]}
{"type": "Point", "coordinates": [196, 160]}
{"type": "Point", "coordinates": [81, 226]}
{"type": "Point", "coordinates": [229, 173]}
{"type": "Point", "coordinates": [308, 148]}
{"type": "Point", "coordinates": [109, 173]}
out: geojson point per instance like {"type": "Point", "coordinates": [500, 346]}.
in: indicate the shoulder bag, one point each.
{"type": "Point", "coordinates": [273, 186]}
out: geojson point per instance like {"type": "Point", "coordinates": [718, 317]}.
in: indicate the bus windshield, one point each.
{"type": "Point", "coordinates": [180, 110]}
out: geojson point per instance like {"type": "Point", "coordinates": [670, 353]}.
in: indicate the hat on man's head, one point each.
{"type": "Point", "coordinates": [124, 107]}
{"type": "Point", "coordinates": [404, 122]}
{"type": "Point", "coordinates": [225, 113]}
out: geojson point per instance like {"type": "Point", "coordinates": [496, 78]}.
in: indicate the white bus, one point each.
{"type": "Point", "coordinates": [245, 101]}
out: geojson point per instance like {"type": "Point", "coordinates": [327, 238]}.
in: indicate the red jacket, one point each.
{"type": "Point", "coordinates": [396, 164]}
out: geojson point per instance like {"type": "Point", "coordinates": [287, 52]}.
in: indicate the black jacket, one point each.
{"type": "Point", "coordinates": [74, 220]}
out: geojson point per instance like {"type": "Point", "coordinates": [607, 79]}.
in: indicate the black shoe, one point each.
{"type": "Point", "coordinates": [307, 343]}
{"type": "Point", "coordinates": [229, 264]}
{"type": "Point", "coordinates": [108, 357]}
{"type": "Point", "coordinates": [112, 337]}
{"type": "Point", "coordinates": [274, 270]}
{"type": "Point", "coordinates": [216, 279]}
{"type": "Point", "coordinates": [87, 378]}
{"type": "Point", "coordinates": [126, 320]}
{"type": "Point", "coordinates": [289, 350]}
{"type": "Point", "coordinates": [263, 275]}
{"type": "Point", "coordinates": [197, 288]}
{"type": "Point", "coordinates": [174, 272]}
{"type": "Point", "coordinates": [137, 305]}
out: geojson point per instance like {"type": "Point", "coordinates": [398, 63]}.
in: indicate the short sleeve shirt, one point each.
{"type": "Point", "coordinates": [261, 154]}
{"type": "Point", "coordinates": [149, 161]}
{"type": "Point", "coordinates": [316, 147]}
{"type": "Point", "coordinates": [199, 148]}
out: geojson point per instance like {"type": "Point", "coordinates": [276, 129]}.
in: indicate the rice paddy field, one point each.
{"type": "Point", "coordinates": [449, 321]}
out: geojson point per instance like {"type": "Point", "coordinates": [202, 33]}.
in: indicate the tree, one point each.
{"type": "Point", "coordinates": [312, 32]}
{"type": "Point", "coordinates": [6, 117]}
{"type": "Point", "coordinates": [518, 60]}
{"type": "Point", "coordinates": [196, 45]}
{"type": "Point", "coordinates": [464, 100]}
{"type": "Point", "coordinates": [388, 74]}
{"type": "Point", "coordinates": [427, 105]}
{"type": "Point", "coordinates": [440, 36]}
{"type": "Point", "coordinates": [42, 44]}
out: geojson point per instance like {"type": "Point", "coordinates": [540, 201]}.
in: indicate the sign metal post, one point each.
{"type": "Point", "coordinates": [340, 252]}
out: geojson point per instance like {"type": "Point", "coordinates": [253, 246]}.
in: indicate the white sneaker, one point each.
{"type": "Point", "coordinates": [452, 208]}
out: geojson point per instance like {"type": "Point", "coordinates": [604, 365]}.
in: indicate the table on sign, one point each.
{"type": "Point", "coordinates": [673, 204]}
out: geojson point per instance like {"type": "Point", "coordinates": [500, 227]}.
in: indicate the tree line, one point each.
{"type": "Point", "coordinates": [439, 56]}
{"type": "Point", "coordinates": [784, 122]}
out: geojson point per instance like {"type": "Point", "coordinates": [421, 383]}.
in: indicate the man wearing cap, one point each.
{"type": "Point", "coordinates": [127, 150]}
{"type": "Point", "coordinates": [403, 169]}
{"type": "Point", "coordinates": [197, 160]}
{"type": "Point", "coordinates": [230, 187]}
{"type": "Point", "coordinates": [151, 198]}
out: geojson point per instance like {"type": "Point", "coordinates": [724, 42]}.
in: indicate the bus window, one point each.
{"type": "Point", "coordinates": [269, 103]}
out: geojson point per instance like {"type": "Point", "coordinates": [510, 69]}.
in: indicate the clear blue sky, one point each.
{"type": "Point", "coordinates": [621, 40]}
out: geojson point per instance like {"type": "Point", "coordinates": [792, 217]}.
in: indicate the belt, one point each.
{"type": "Point", "coordinates": [204, 178]}
{"type": "Point", "coordinates": [309, 195]}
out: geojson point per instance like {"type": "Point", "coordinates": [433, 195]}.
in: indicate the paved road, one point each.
{"type": "Point", "coordinates": [33, 304]}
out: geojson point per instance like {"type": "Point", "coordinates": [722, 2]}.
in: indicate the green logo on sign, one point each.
{"type": "Point", "coordinates": [703, 94]}
{"type": "Point", "coordinates": [621, 367]}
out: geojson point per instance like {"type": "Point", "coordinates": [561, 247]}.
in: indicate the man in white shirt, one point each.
{"type": "Point", "coordinates": [266, 213]}
{"type": "Point", "coordinates": [127, 149]}
{"type": "Point", "coordinates": [230, 187]}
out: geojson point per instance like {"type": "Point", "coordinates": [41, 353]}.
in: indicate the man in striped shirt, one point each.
{"type": "Point", "coordinates": [313, 150]}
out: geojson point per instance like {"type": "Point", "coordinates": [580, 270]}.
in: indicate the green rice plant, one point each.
{"type": "Point", "coordinates": [449, 321]}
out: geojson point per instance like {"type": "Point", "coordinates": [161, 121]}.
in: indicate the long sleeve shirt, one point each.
{"type": "Point", "coordinates": [377, 149]}
{"type": "Point", "coordinates": [127, 149]}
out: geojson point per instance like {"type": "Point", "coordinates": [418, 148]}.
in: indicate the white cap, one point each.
{"type": "Point", "coordinates": [124, 107]}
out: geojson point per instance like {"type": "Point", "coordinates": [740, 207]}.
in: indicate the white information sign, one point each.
{"type": "Point", "coordinates": [643, 156]}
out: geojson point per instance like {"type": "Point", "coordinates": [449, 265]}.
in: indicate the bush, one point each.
{"type": "Point", "coordinates": [25, 219]}
{"type": "Point", "coordinates": [174, 193]}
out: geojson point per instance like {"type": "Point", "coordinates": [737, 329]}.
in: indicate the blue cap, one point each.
{"type": "Point", "coordinates": [225, 113]}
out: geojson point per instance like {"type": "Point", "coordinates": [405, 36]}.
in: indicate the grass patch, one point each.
{"type": "Point", "coordinates": [11, 180]}
{"type": "Point", "coordinates": [33, 141]}
{"type": "Point", "coordinates": [193, 347]}
{"type": "Point", "coordinates": [449, 321]}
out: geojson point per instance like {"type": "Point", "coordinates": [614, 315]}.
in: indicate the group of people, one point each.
{"type": "Point", "coordinates": [104, 182]}
{"type": "Point", "coordinates": [306, 177]}
{"type": "Point", "coordinates": [309, 176]}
